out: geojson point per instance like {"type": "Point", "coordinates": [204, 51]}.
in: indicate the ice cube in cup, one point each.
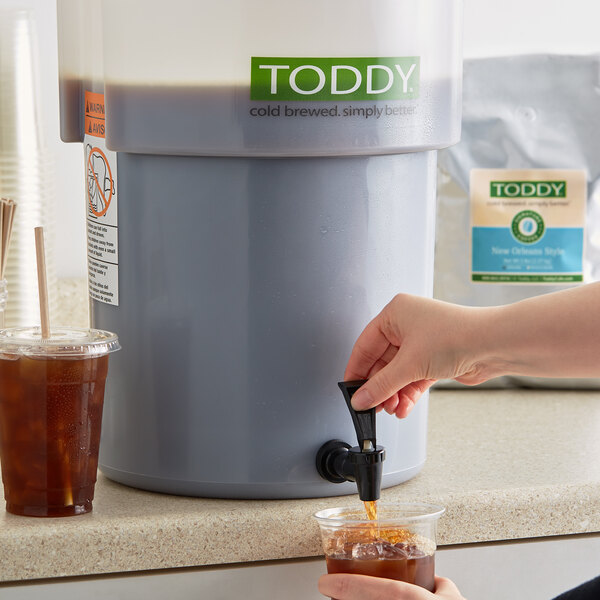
{"type": "Point", "coordinates": [51, 399]}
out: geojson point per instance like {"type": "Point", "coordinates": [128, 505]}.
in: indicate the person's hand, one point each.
{"type": "Point", "coordinates": [411, 344]}
{"type": "Point", "coordinates": [415, 341]}
{"type": "Point", "coordinates": [343, 586]}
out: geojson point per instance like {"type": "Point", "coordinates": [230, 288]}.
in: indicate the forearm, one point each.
{"type": "Point", "coordinates": [554, 335]}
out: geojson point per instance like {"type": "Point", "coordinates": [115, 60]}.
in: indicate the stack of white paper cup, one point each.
{"type": "Point", "coordinates": [25, 166]}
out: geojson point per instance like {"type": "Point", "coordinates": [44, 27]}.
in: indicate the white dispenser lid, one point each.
{"type": "Point", "coordinates": [211, 58]}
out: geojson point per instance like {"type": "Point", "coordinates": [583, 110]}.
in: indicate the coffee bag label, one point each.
{"type": "Point", "coordinates": [334, 79]}
{"type": "Point", "coordinates": [527, 226]}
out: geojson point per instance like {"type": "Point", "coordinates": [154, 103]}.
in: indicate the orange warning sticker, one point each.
{"type": "Point", "coordinates": [94, 114]}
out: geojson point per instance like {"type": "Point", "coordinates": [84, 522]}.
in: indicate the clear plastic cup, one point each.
{"type": "Point", "coordinates": [19, 83]}
{"type": "Point", "coordinates": [51, 399]}
{"type": "Point", "coordinates": [26, 165]}
{"type": "Point", "coordinates": [400, 544]}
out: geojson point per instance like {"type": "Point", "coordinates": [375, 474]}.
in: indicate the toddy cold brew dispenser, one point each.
{"type": "Point", "coordinates": [260, 183]}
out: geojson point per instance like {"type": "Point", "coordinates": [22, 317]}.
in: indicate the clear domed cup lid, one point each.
{"type": "Point", "coordinates": [63, 342]}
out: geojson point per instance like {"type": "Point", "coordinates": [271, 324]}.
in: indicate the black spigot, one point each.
{"type": "Point", "coordinates": [338, 462]}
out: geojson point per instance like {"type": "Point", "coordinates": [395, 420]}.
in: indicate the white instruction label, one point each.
{"type": "Point", "coordinates": [101, 200]}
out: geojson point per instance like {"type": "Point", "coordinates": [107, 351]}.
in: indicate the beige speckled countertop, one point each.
{"type": "Point", "coordinates": [507, 464]}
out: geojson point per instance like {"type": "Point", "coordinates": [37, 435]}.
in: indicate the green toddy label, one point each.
{"type": "Point", "coordinates": [528, 189]}
{"type": "Point", "coordinates": [334, 79]}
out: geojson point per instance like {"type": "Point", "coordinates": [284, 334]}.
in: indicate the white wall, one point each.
{"type": "Point", "coordinates": [492, 27]}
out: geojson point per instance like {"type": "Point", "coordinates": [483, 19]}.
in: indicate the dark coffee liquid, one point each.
{"type": "Point", "coordinates": [50, 420]}
{"type": "Point", "coordinates": [381, 559]}
{"type": "Point", "coordinates": [221, 120]}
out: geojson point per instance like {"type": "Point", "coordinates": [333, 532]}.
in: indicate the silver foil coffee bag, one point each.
{"type": "Point", "coordinates": [518, 211]}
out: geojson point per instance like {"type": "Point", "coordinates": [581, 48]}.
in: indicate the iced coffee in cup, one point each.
{"type": "Point", "coordinates": [399, 544]}
{"type": "Point", "coordinates": [51, 397]}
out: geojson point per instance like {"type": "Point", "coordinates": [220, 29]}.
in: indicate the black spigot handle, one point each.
{"type": "Point", "coordinates": [363, 420]}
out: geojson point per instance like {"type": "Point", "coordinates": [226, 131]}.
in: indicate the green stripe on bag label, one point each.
{"type": "Point", "coordinates": [334, 79]}
{"type": "Point", "coordinates": [492, 278]}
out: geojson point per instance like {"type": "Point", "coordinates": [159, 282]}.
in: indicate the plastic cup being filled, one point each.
{"type": "Point", "coordinates": [51, 398]}
{"type": "Point", "coordinates": [400, 544]}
